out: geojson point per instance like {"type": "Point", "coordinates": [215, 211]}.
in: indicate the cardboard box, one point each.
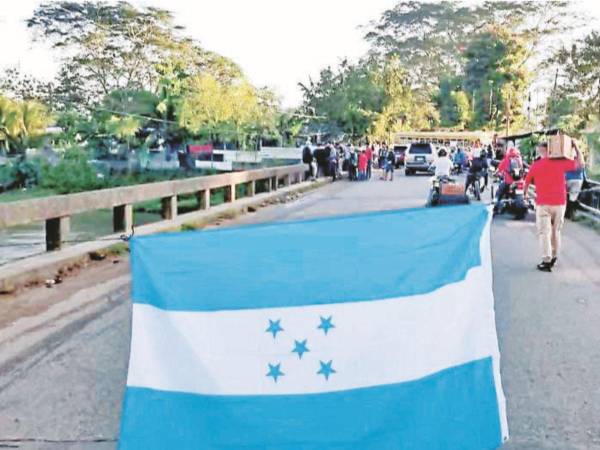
{"type": "Point", "coordinates": [560, 146]}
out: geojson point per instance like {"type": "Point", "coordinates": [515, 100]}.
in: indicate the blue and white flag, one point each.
{"type": "Point", "coordinates": [372, 331]}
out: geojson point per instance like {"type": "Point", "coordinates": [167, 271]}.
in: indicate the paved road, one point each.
{"type": "Point", "coordinates": [61, 387]}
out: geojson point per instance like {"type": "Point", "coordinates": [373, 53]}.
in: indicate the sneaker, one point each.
{"type": "Point", "coordinates": [544, 266]}
{"type": "Point", "coordinates": [553, 261]}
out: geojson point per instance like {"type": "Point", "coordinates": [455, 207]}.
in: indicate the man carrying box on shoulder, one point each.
{"type": "Point", "coordinates": [548, 176]}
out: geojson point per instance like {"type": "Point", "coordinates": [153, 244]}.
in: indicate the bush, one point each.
{"type": "Point", "coordinates": [72, 174]}
{"type": "Point", "coordinates": [22, 173]}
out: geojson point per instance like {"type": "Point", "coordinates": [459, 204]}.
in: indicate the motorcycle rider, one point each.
{"type": "Point", "coordinates": [507, 169]}
{"type": "Point", "coordinates": [478, 167]}
{"type": "Point", "coordinates": [460, 159]}
{"type": "Point", "coordinates": [443, 164]}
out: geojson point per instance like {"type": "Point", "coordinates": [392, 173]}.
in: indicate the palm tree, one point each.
{"type": "Point", "coordinates": [22, 123]}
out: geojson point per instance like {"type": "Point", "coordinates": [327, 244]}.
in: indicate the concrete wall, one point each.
{"type": "Point", "coordinates": [62, 206]}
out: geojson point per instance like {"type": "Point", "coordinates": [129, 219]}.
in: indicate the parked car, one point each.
{"type": "Point", "coordinates": [400, 152]}
{"type": "Point", "coordinates": [418, 157]}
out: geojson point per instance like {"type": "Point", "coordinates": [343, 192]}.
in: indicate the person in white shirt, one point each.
{"type": "Point", "coordinates": [443, 164]}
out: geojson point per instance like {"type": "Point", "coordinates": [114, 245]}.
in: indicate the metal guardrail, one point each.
{"type": "Point", "coordinates": [56, 210]}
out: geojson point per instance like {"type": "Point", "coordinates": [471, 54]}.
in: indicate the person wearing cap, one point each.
{"type": "Point", "coordinates": [548, 176]}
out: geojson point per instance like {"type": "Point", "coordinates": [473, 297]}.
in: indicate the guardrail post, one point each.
{"type": "Point", "coordinates": [251, 189]}
{"type": "Point", "coordinates": [287, 180]}
{"type": "Point", "coordinates": [274, 183]}
{"type": "Point", "coordinates": [123, 218]}
{"type": "Point", "coordinates": [169, 207]}
{"type": "Point", "coordinates": [230, 193]}
{"type": "Point", "coordinates": [56, 231]}
{"type": "Point", "coordinates": [203, 198]}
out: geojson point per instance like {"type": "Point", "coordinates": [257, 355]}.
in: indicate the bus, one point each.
{"type": "Point", "coordinates": [444, 138]}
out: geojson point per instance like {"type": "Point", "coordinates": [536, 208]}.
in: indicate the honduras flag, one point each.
{"type": "Point", "coordinates": [372, 331]}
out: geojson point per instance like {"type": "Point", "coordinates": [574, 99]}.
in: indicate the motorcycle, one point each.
{"type": "Point", "coordinates": [457, 169]}
{"type": "Point", "coordinates": [513, 201]}
{"type": "Point", "coordinates": [445, 191]}
{"type": "Point", "coordinates": [475, 187]}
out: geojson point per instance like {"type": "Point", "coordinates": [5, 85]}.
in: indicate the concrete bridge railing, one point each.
{"type": "Point", "coordinates": [57, 210]}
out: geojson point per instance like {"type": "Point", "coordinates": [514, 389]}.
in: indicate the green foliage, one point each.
{"type": "Point", "coordinates": [22, 123]}
{"type": "Point", "coordinates": [496, 76]}
{"type": "Point", "coordinates": [349, 97]}
{"type": "Point", "coordinates": [429, 36]}
{"type": "Point", "coordinates": [72, 174]}
{"type": "Point", "coordinates": [528, 147]}
{"type": "Point", "coordinates": [576, 100]}
{"type": "Point", "coordinates": [214, 109]}
{"type": "Point", "coordinates": [18, 174]}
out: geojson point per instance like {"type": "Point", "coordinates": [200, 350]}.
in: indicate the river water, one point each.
{"type": "Point", "coordinates": [28, 240]}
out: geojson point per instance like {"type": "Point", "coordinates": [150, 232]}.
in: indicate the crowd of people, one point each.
{"type": "Point", "coordinates": [551, 176]}
{"type": "Point", "coordinates": [358, 161]}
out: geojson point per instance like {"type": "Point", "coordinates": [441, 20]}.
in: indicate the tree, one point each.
{"type": "Point", "coordinates": [399, 109]}
{"type": "Point", "coordinates": [349, 98]}
{"type": "Point", "coordinates": [22, 123]}
{"type": "Point", "coordinates": [116, 46]}
{"type": "Point", "coordinates": [575, 98]}
{"type": "Point", "coordinates": [108, 46]}
{"type": "Point", "coordinates": [234, 111]}
{"type": "Point", "coordinates": [496, 76]}
{"type": "Point", "coordinates": [19, 86]}
{"type": "Point", "coordinates": [453, 104]}
{"type": "Point", "coordinates": [429, 37]}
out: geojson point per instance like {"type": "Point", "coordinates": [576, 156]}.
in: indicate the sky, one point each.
{"type": "Point", "coordinates": [278, 43]}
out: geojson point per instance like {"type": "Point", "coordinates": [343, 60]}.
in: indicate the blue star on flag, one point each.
{"type": "Point", "coordinates": [275, 371]}
{"type": "Point", "coordinates": [300, 348]}
{"type": "Point", "coordinates": [274, 327]}
{"type": "Point", "coordinates": [326, 324]}
{"type": "Point", "coordinates": [326, 370]}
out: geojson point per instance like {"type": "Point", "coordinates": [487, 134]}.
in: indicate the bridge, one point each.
{"type": "Point", "coordinates": [64, 351]}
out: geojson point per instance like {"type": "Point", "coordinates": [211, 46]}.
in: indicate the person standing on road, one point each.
{"type": "Point", "coordinates": [362, 165]}
{"type": "Point", "coordinates": [369, 155]}
{"type": "Point", "coordinates": [333, 162]}
{"type": "Point", "coordinates": [390, 161]}
{"type": "Point", "coordinates": [307, 158]}
{"type": "Point", "coordinates": [548, 176]}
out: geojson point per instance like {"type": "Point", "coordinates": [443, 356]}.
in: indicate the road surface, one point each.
{"type": "Point", "coordinates": [63, 364]}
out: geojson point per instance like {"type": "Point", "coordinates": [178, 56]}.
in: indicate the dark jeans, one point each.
{"type": "Point", "coordinates": [310, 170]}
{"type": "Point", "coordinates": [369, 163]}
{"type": "Point", "coordinates": [333, 169]}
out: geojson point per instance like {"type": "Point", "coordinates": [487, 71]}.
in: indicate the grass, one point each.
{"type": "Point", "coordinates": [25, 194]}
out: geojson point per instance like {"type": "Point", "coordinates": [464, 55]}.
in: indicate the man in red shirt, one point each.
{"type": "Point", "coordinates": [369, 154]}
{"type": "Point", "coordinates": [548, 175]}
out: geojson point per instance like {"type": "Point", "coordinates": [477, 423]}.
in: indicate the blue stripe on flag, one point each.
{"type": "Point", "coordinates": [308, 262]}
{"type": "Point", "coordinates": [453, 409]}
